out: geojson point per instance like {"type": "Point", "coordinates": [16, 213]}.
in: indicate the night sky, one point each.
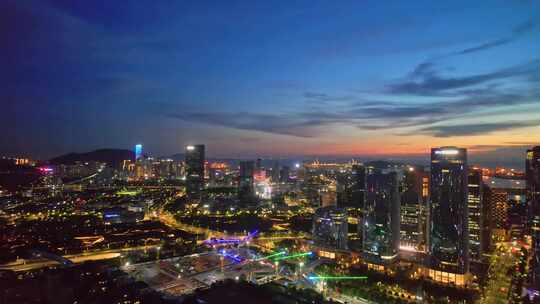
{"type": "Point", "coordinates": [273, 78]}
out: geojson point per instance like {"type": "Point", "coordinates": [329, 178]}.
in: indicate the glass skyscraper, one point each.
{"type": "Point", "coordinates": [245, 181]}
{"type": "Point", "coordinates": [138, 151]}
{"type": "Point", "coordinates": [449, 234]}
{"type": "Point", "coordinates": [412, 228]}
{"type": "Point", "coordinates": [475, 205]}
{"type": "Point", "coordinates": [381, 218]}
{"type": "Point", "coordinates": [532, 167]}
{"type": "Point", "coordinates": [194, 157]}
{"type": "Point", "coordinates": [330, 228]}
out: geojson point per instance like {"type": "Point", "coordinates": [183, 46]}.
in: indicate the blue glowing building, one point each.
{"type": "Point", "coordinates": [138, 151]}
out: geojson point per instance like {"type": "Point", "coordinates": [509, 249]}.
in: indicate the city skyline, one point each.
{"type": "Point", "coordinates": [358, 79]}
{"type": "Point", "coordinates": [308, 152]}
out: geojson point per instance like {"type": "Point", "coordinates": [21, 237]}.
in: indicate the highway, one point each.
{"type": "Point", "coordinates": [33, 264]}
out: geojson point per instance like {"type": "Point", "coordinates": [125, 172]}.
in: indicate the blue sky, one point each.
{"type": "Point", "coordinates": [275, 78]}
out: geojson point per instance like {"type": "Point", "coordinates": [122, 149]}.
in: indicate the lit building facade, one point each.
{"type": "Point", "coordinates": [448, 245]}
{"type": "Point", "coordinates": [412, 210]}
{"type": "Point", "coordinates": [475, 205]}
{"type": "Point", "coordinates": [330, 228]}
{"type": "Point", "coordinates": [194, 169]}
{"type": "Point", "coordinates": [381, 218]}
{"type": "Point", "coordinates": [245, 180]}
{"type": "Point", "coordinates": [138, 151]}
{"type": "Point", "coordinates": [532, 172]}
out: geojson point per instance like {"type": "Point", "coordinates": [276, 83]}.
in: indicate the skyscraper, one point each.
{"type": "Point", "coordinates": [330, 227]}
{"type": "Point", "coordinates": [245, 181]}
{"type": "Point", "coordinates": [138, 151]}
{"type": "Point", "coordinates": [358, 186]}
{"type": "Point", "coordinates": [275, 172]}
{"type": "Point", "coordinates": [449, 234]}
{"type": "Point", "coordinates": [412, 226]}
{"type": "Point", "coordinates": [381, 219]}
{"type": "Point", "coordinates": [532, 171]}
{"type": "Point", "coordinates": [284, 174]}
{"type": "Point", "coordinates": [358, 196]}
{"type": "Point", "coordinates": [475, 205]}
{"type": "Point", "coordinates": [194, 157]}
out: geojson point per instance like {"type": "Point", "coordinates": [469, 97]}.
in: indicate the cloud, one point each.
{"type": "Point", "coordinates": [323, 97]}
{"type": "Point", "coordinates": [476, 129]}
{"type": "Point", "coordinates": [486, 46]}
{"type": "Point", "coordinates": [517, 31]}
{"type": "Point", "coordinates": [366, 115]}
{"type": "Point", "coordinates": [525, 27]}
{"type": "Point", "coordinates": [426, 81]}
{"type": "Point", "coordinates": [268, 123]}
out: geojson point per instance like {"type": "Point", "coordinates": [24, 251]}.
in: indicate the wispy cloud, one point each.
{"type": "Point", "coordinates": [486, 46]}
{"type": "Point", "coordinates": [323, 97]}
{"type": "Point", "coordinates": [517, 31]}
{"type": "Point", "coordinates": [425, 80]}
{"type": "Point", "coordinates": [374, 115]}
{"type": "Point", "coordinates": [476, 129]}
{"type": "Point", "coordinates": [276, 124]}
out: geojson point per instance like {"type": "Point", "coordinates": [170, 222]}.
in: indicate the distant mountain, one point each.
{"type": "Point", "coordinates": [112, 157]}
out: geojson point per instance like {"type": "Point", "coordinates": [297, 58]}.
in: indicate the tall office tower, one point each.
{"type": "Point", "coordinates": [138, 151]}
{"type": "Point", "coordinates": [330, 228]}
{"type": "Point", "coordinates": [496, 205]}
{"type": "Point", "coordinates": [194, 157]}
{"type": "Point", "coordinates": [275, 172]}
{"type": "Point", "coordinates": [245, 181]}
{"type": "Point", "coordinates": [475, 205]}
{"type": "Point", "coordinates": [449, 234]}
{"type": "Point", "coordinates": [358, 185]}
{"type": "Point", "coordinates": [328, 196]}
{"type": "Point", "coordinates": [358, 195]}
{"type": "Point", "coordinates": [381, 218]}
{"type": "Point", "coordinates": [412, 225]}
{"type": "Point", "coordinates": [532, 172]}
{"type": "Point", "coordinates": [284, 174]}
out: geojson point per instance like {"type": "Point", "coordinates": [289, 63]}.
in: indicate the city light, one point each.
{"type": "Point", "coordinates": [447, 152]}
{"type": "Point", "coordinates": [271, 256]}
{"type": "Point", "coordinates": [293, 256]}
{"type": "Point", "coordinates": [326, 278]}
{"type": "Point", "coordinates": [294, 152]}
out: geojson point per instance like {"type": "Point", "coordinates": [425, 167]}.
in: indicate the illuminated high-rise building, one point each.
{"type": "Point", "coordinates": [358, 196]}
{"type": "Point", "coordinates": [532, 171]}
{"type": "Point", "coordinates": [358, 186]}
{"type": "Point", "coordinates": [138, 151]}
{"type": "Point", "coordinates": [381, 218]}
{"type": "Point", "coordinates": [245, 181]}
{"type": "Point", "coordinates": [475, 206]}
{"type": "Point", "coordinates": [284, 174]}
{"type": "Point", "coordinates": [275, 172]}
{"type": "Point", "coordinates": [330, 228]}
{"type": "Point", "coordinates": [412, 210]}
{"type": "Point", "coordinates": [194, 158]}
{"type": "Point", "coordinates": [448, 246]}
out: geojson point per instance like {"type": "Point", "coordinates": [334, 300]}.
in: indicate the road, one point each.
{"type": "Point", "coordinates": [501, 263]}
{"type": "Point", "coordinates": [26, 265]}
